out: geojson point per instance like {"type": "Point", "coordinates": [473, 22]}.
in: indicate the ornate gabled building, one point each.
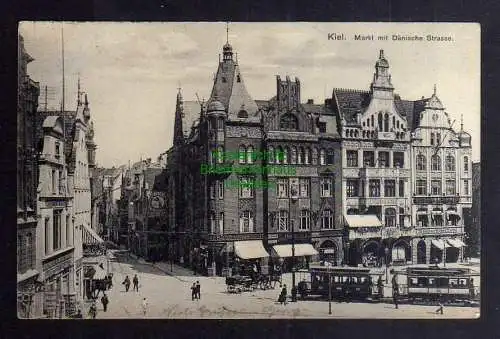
{"type": "Point", "coordinates": [244, 173]}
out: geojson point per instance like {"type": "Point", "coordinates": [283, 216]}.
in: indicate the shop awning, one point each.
{"type": "Point", "coordinates": [99, 274]}
{"type": "Point", "coordinates": [285, 251]}
{"type": "Point", "coordinates": [251, 249]}
{"type": "Point", "coordinates": [366, 220]}
{"type": "Point", "coordinates": [90, 237]}
{"type": "Point", "coordinates": [456, 243]}
{"type": "Point", "coordinates": [441, 244]}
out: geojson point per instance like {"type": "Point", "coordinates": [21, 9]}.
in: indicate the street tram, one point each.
{"type": "Point", "coordinates": [347, 283]}
{"type": "Point", "coordinates": [432, 283]}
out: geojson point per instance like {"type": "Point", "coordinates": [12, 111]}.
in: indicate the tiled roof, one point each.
{"type": "Point", "coordinates": [69, 121]}
{"type": "Point", "coordinates": [350, 102]}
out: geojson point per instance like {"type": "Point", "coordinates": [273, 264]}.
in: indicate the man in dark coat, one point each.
{"type": "Point", "coordinates": [105, 302]}
{"type": "Point", "coordinates": [136, 283]}
{"type": "Point", "coordinates": [283, 294]}
{"type": "Point", "coordinates": [395, 290]}
{"type": "Point", "coordinates": [126, 282]}
{"type": "Point", "coordinates": [380, 286]}
{"type": "Point", "coordinates": [198, 290]}
{"type": "Point", "coordinates": [193, 292]}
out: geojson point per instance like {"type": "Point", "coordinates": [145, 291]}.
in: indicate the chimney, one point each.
{"type": "Point", "coordinates": [310, 101]}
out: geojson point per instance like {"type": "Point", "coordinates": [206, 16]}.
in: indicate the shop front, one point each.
{"type": "Point", "coordinates": [283, 255]}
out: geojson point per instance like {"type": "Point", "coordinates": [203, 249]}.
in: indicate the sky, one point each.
{"type": "Point", "coordinates": [132, 71]}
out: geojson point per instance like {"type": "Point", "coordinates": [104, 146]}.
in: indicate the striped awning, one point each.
{"type": "Point", "coordinates": [90, 237]}
{"type": "Point", "coordinates": [457, 243]}
{"type": "Point", "coordinates": [441, 244]}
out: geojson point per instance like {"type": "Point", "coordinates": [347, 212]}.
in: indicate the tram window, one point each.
{"type": "Point", "coordinates": [336, 279]}
{"type": "Point", "coordinates": [462, 282]}
{"type": "Point", "coordinates": [344, 279]}
{"type": "Point", "coordinates": [354, 280]}
{"type": "Point", "coordinates": [442, 282]}
{"type": "Point", "coordinates": [413, 281]}
{"type": "Point", "coordinates": [432, 282]}
{"type": "Point", "coordinates": [422, 282]}
{"type": "Point", "coordinates": [363, 280]}
{"type": "Point", "coordinates": [453, 282]}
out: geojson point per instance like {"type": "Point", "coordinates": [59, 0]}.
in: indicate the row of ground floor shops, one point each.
{"type": "Point", "coordinates": [221, 257]}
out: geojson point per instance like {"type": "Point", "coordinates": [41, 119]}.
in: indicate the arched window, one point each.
{"type": "Point", "coordinates": [293, 155]}
{"type": "Point", "coordinates": [314, 160]}
{"type": "Point", "coordinates": [436, 163]}
{"type": "Point", "coordinates": [397, 124]}
{"type": "Point", "coordinates": [246, 222]}
{"type": "Point", "coordinates": [390, 217]}
{"type": "Point", "coordinates": [450, 163]}
{"type": "Point", "coordinates": [393, 122]}
{"type": "Point", "coordinates": [270, 154]}
{"type": "Point", "coordinates": [285, 155]}
{"type": "Point", "coordinates": [307, 156]}
{"type": "Point", "coordinates": [279, 155]}
{"type": "Point", "coordinates": [421, 165]}
{"type": "Point", "coordinates": [242, 154]}
{"type": "Point", "coordinates": [289, 122]}
{"type": "Point", "coordinates": [322, 160]}
{"type": "Point", "coordinates": [220, 154]}
{"type": "Point", "coordinates": [300, 158]}
{"type": "Point", "coordinates": [380, 123]}
{"type": "Point", "coordinates": [327, 219]}
{"type": "Point", "coordinates": [386, 122]}
{"type": "Point", "coordinates": [250, 157]}
{"type": "Point", "coordinates": [372, 121]}
{"type": "Point", "coordinates": [220, 123]}
{"type": "Point", "coordinates": [466, 164]}
{"type": "Point", "coordinates": [243, 114]}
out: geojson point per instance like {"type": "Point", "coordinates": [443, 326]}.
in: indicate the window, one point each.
{"type": "Point", "coordinates": [438, 139]}
{"type": "Point", "coordinates": [401, 217]}
{"type": "Point", "coordinates": [401, 188]}
{"type": "Point", "coordinates": [242, 154]}
{"type": "Point", "coordinates": [68, 232]}
{"type": "Point", "coordinates": [289, 122]}
{"type": "Point", "coordinates": [47, 236]}
{"type": "Point", "coordinates": [250, 155]}
{"type": "Point", "coordinates": [386, 122]}
{"type": "Point", "coordinates": [466, 187]}
{"type": "Point", "coordinates": [246, 187]}
{"type": "Point", "coordinates": [390, 217]}
{"type": "Point", "coordinates": [421, 165]}
{"type": "Point", "coordinates": [300, 158]}
{"type": "Point", "coordinates": [212, 191]}
{"type": "Point", "coordinates": [398, 159]}
{"type": "Point", "coordinates": [293, 156]}
{"type": "Point", "coordinates": [380, 123]}
{"type": "Point", "coordinates": [282, 188]}
{"type": "Point", "coordinates": [327, 219]}
{"type": "Point", "coordinates": [436, 187]}
{"type": "Point", "coordinates": [220, 124]}
{"type": "Point", "coordinates": [421, 187]}
{"type": "Point", "coordinates": [279, 155]}
{"type": "Point", "coordinates": [58, 150]}
{"type": "Point", "coordinates": [220, 154]}
{"type": "Point", "coordinates": [305, 220]}
{"type": "Point", "coordinates": [314, 156]}
{"type": "Point", "coordinates": [450, 187]}
{"type": "Point", "coordinates": [238, 78]}
{"type": "Point", "coordinates": [246, 222]}
{"type": "Point", "coordinates": [352, 187]}
{"type": "Point", "coordinates": [304, 188]}
{"type": "Point", "coordinates": [436, 163]}
{"type": "Point", "coordinates": [54, 186]}
{"type": "Point", "coordinates": [352, 158]}
{"type": "Point", "coordinates": [369, 158]}
{"type": "Point", "coordinates": [224, 79]}
{"type": "Point", "coordinates": [450, 163]}
{"type": "Point", "coordinates": [221, 223]}
{"type": "Point", "coordinates": [330, 156]}
{"type": "Point", "coordinates": [466, 164]}
{"type": "Point", "coordinates": [322, 157]}
{"type": "Point", "coordinates": [374, 187]}
{"type": "Point", "coordinates": [212, 222]}
{"type": "Point", "coordinates": [283, 221]}
{"type": "Point", "coordinates": [307, 156]}
{"type": "Point", "coordinates": [56, 234]}
{"type": "Point", "coordinates": [432, 139]}
{"type": "Point", "coordinates": [221, 189]}
{"type": "Point", "coordinates": [285, 155]}
{"type": "Point", "coordinates": [383, 159]}
{"type": "Point", "coordinates": [390, 188]}
{"type": "Point", "coordinates": [322, 127]}
{"type": "Point", "coordinates": [270, 155]}
{"type": "Point", "coordinates": [326, 187]}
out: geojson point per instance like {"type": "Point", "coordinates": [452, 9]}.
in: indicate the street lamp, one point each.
{"type": "Point", "coordinates": [386, 250]}
{"type": "Point", "coordinates": [329, 289]}
{"type": "Point", "coordinates": [294, 288]}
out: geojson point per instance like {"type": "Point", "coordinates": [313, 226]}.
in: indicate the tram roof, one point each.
{"type": "Point", "coordinates": [339, 269]}
{"type": "Point", "coordinates": [433, 270]}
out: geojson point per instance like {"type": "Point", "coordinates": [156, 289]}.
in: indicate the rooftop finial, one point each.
{"type": "Point", "coordinates": [227, 32]}
{"type": "Point", "coordinates": [78, 99]}
{"type": "Point", "coordinates": [434, 89]}
{"type": "Point", "coordinates": [461, 122]}
{"type": "Point", "coordinates": [381, 54]}
{"type": "Point", "coordinates": [86, 100]}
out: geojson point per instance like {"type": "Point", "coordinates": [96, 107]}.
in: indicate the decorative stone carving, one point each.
{"type": "Point", "coordinates": [243, 132]}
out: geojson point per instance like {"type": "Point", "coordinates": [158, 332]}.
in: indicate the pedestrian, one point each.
{"type": "Point", "coordinates": [441, 306]}
{"type": "Point", "coordinates": [93, 310]}
{"type": "Point", "coordinates": [198, 290]}
{"type": "Point", "coordinates": [380, 286]}
{"type": "Point", "coordinates": [193, 291]}
{"type": "Point", "coordinates": [126, 282]}
{"type": "Point", "coordinates": [136, 283]}
{"type": "Point", "coordinates": [282, 296]}
{"type": "Point", "coordinates": [395, 290]}
{"type": "Point", "coordinates": [144, 306]}
{"type": "Point", "coordinates": [472, 292]}
{"type": "Point", "coordinates": [105, 302]}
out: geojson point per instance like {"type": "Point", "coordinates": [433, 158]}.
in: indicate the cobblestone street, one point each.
{"type": "Point", "coordinates": [169, 296]}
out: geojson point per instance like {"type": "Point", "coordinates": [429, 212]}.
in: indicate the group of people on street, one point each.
{"type": "Point", "coordinates": [135, 281]}
{"type": "Point", "coordinates": [196, 291]}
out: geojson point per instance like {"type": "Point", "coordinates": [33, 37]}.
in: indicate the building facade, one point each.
{"type": "Point", "coordinates": [252, 171]}
{"type": "Point", "coordinates": [29, 294]}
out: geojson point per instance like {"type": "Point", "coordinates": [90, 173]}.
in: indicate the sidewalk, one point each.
{"type": "Point", "coordinates": [173, 270]}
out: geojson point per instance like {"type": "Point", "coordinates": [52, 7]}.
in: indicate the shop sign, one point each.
{"type": "Point", "coordinates": [56, 203]}
{"type": "Point", "coordinates": [437, 230]}
{"type": "Point", "coordinates": [50, 301]}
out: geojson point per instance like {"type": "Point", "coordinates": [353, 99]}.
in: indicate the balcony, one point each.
{"type": "Point", "coordinates": [383, 172]}
{"type": "Point", "coordinates": [396, 232]}
{"type": "Point", "coordinates": [436, 200]}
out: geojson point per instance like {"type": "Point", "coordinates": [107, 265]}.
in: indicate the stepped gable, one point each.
{"type": "Point", "coordinates": [350, 102]}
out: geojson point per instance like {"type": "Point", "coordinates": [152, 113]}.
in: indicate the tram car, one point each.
{"type": "Point", "coordinates": [347, 283]}
{"type": "Point", "coordinates": [433, 283]}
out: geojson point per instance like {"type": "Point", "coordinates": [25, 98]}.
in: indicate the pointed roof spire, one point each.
{"type": "Point", "coordinates": [79, 93]}
{"type": "Point", "coordinates": [381, 56]}
{"type": "Point", "coordinates": [86, 100]}
{"type": "Point", "coordinates": [461, 122]}
{"type": "Point", "coordinates": [227, 32]}
{"type": "Point", "coordinates": [434, 89]}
